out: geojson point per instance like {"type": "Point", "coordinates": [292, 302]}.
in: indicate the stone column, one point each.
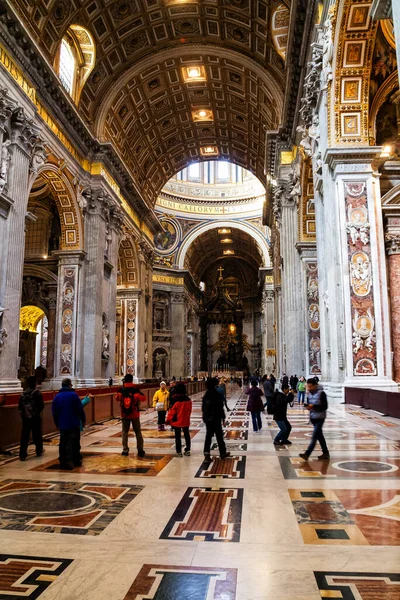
{"type": "Point", "coordinates": [14, 189]}
{"type": "Point", "coordinates": [292, 314]}
{"type": "Point", "coordinates": [392, 238]}
{"type": "Point", "coordinates": [145, 312]}
{"type": "Point", "coordinates": [179, 336]}
{"type": "Point", "coordinates": [363, 267]}
{"type": "Point", "coordinates": [203, 343]}
{"type": "Point", "coordinates": [69, 297]}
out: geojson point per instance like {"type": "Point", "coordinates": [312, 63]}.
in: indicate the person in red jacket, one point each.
{"type": "Point", "coordinates": [179, 417]}
{"type": "Point", "coordinates": [130, 397]}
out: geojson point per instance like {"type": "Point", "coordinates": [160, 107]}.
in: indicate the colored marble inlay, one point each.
{"type": "Point", "coordinates": [228, 468]}
{"type": "Point", "coordinates": [231, 447]}
{"type": "Point", "coordinates": [206, 514]}
{"type": "Point", "coordinates": [154, 433]}
{"type": "Point", "coordinates": [27, 577]}
{"type": "Point", "coordinates": [160, 582]}
{"type": "Point", "coordinates": [62, 507]}
{"type": "Point", "coordinates": [108, 463]}
{"type": "Point", "coordinates": [236, 435]}
{"type": "Point", "coordinates": [358, 586]}
{"type": "Point", "coordinates": [368, 468]}
{"type": "Point", "coordinates": [361, 517]}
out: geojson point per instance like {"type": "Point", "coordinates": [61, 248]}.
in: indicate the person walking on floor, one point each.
{"type": "Point", "coordinates": [272, 379]}
{"type": "Point", "coordinates": [255, 405]}
{"type": "Point", "coordinates": [213, 417]}
{"type": "Point", "coordinates": [294, 380]}
{"type": "Point", "coordinates": [31, 406]}
{"type": "Point", "coordinates": [301, 390]}
{"type": "Point", "coordinates": [268, 391]}
{"type": "Point", "coordinates": [221, 388]}
{"type": "Point", "coordinates": [281, 401]}
{"type": "Point", "coordinates": [317, 404]}
{"type": "Point", "coordinates": [161, 404]}
{"type": "Point", "coordinates": [68, 414]}
{"type": "Point", "coordinates": [129, 396]}
{"type": "Point", "coordinates": [284, 381]}
{"type": "Point", "coordinates": [179, 418]}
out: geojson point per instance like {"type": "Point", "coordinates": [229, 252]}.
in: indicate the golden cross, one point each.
{"type": "Point", "coordinates": [220, 271]}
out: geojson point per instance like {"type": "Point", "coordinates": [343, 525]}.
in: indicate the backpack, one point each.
{"type": "Point", "coordinates": [127, 401]}
{"type": "Point", "coordinates": [271, 404]}
{"type": "Point", "coordinates": [29, 408]}
{"type": "Point", "coordinates": [324, 401]}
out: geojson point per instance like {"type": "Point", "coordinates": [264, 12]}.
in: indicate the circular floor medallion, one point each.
{"type": "Point", "coordinates": [40, 503]}
{"type": "Point", "coordinates": [365, 466]}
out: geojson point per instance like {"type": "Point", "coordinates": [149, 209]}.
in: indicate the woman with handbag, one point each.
{"type": "Point", "coordinates": [179, 417]}
{"type": "Point", "coordinates": [161, 404]}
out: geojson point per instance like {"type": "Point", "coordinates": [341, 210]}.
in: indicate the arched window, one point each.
{"type": "Point", "coordinates": [75, 60]}
{"type": "Point", "coordinates": [67, 66]}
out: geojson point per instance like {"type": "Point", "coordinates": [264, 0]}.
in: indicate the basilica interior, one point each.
{"type": "Point", "coordinates": [194, 189]}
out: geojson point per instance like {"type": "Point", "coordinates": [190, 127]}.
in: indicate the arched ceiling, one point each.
{"type": "Point", "coordinates": [207, 252]}
{"type": "Point", "coordinates": [136, 96]}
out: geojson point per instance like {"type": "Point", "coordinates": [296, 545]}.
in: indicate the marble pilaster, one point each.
{"type": "Point", "coordinates": [129, 330]}
{"type": "Point", "coordinates": [51, 331]}
{"type": "Point", "coordinates": [392, 238]}
{"type": "Point", "coordinates": [268, 357]}
{"type": "Point", "coordinates": [68, 321]}
{"type": "Point", "coordinates": [360, 238]}
{"type": "Point", "coordinates": [179, 338]}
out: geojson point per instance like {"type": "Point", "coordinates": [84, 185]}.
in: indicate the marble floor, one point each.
{"type": "Point", "coordinates": [261, 525]}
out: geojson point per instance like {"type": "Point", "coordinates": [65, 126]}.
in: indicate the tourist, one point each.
{"type": "Point", "coordinates": [31, 406]}
{"type": "Point", "coordinates": [161, 404]}
{"type": "Point", "coordinates": [301, 390]}
{"type": "Point", "coordinates": [255, 405]}
{"type": "Point", "coordinates": [68, 414]}
{"type": "Point", "coordinates": [130, 397]}
{"type": "Point", "coordinates": [221, 388]}
{"type": "Point", "coordinates": [268, 391]}
{"type": "Point", "coordinates": [273, 380]}
{"type": "Point", "coordinates": [172, 392]}
{"type": "Point", "coordinates": [294, 380]}
{"type": "Point", "coordinates": [317, 404]}
{"type": "Point", "coordinates": [213, 417]}
{"type": "Point", "coordinates": [179, 418]}
{"type": "Point", "coordinates": [284, 381]}
{"type": "Point", "coordinates": [281, 401]}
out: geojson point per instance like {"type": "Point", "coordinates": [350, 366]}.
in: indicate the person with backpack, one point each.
{"type": "Point", "coordinates": [317, 404]}
{"type": "Point", "coordinates": [280, 404]}
{"type": "Point", "coordinates": [255, 405]}
{"type": "Point", "coordinates": [129, 396]}
{"type": "Point", "coordinates": [179, 418]}
{"type": "Point", "coordinates": [68, 414]}
{"type": "Point", "coordinates": [161, 404]}
{"type": "Point", "coordinates": [301, 390]}
{"type": "Point", "coordinates": [213, 417]}
{"type": "Point", "coordinates": [31, 406]}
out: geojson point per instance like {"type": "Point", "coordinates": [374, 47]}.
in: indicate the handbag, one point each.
{"type": "Point", "coordinates": [160, 406]}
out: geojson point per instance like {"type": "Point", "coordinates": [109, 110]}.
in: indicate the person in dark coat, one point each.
{"type": "Point", "coordinates": [68, 414]}
{"type": "Point", "coordinates": [294, 380]}
{"type": "Point", "coordinates": [284, 381]}
{"type": "Point", "coordinates": [213, 417]}
{"type": "Point", "coordinates": [31, 406]}
{"type": "Point", "coordinates": [282, 399]}
{"type": "Point", "coordinates": [273, 380]}
{"type": "Point", "coordinates": [255, 405]}
{"type": "Point", "coordinates": [269, 392]}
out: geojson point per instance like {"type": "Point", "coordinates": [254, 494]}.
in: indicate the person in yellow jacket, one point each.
{"type": "Point", "coordinates": [161, 404]}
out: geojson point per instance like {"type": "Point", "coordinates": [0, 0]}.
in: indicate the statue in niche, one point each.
{"type": "Point", "coordinates": [4, 165]}
{"type": "Point", "coordinates": [105, 353]}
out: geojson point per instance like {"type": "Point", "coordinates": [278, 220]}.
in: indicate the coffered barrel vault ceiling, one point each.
{"type": "Point", "coordinates": [136, 96]}
{"type": "Point", "coordinates": [206, 252]}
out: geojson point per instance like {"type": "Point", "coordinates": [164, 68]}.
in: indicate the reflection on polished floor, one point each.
{"type": "Point", "coordinates": [261, 525]}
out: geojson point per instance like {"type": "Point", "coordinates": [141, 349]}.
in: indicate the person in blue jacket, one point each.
{"type": "Point", "coordinates": [68, 414]}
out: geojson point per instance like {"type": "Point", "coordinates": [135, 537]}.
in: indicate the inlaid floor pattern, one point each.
{"type": "Point", "coordinates": [254, 526]}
